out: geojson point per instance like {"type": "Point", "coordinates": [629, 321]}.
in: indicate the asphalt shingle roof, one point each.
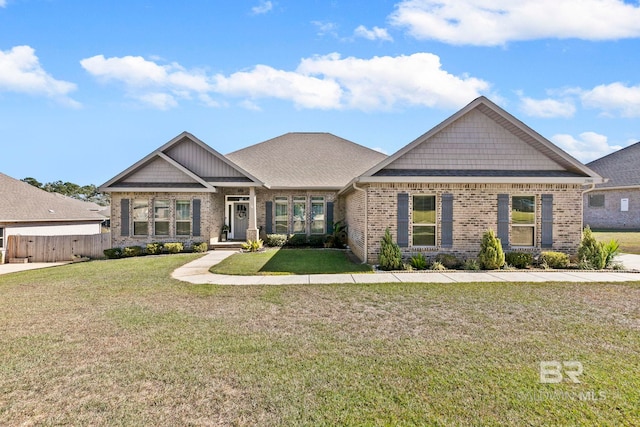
{"type": "Point", "coordinates": [306, 160]}
{"type": "Point", "coordinates": [22, 202]}
{"type": "Point", "coordinates": [621, 167]}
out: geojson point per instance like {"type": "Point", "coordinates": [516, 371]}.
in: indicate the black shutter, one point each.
{"type": "Point", "coordinates": [547, 220]}
{"type": "Point", "coordinates": [329, 217]}
{"type": "Point", "coordinates": [269, 216]}
{"type": "Point", "coordinates": [403, 220]}
{"type": "Point", "coordinates": [503, 220]}
{"type": "Point", "coordinates": [446, 224]}
{"type": "Point", "coordinates": [196, 217]}
{"type": "Point", "coordinates": [124, 217]}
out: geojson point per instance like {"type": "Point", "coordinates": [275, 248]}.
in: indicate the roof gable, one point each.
{"type": "Point", "coordinates": [183, 163]}
{"type": "Point", "coordinates": [482, 140]}
{"type": "Point", "coordinates": [621, 168]}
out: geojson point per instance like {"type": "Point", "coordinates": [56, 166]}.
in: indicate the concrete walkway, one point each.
{"type": "Point", "coordinates": [198, 272]}
{"type": "Point", "coordinates": [14, 268]}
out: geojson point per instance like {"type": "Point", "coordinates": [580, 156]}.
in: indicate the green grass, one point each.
{"type": "Point", "coordinates": [120, 343]}
{"type": "Point", "coordinates": [289, 261]}
{"type": "Point", "coordinates": [629, 240]}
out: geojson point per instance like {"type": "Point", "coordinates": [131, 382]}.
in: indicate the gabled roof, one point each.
{"type": "Point", "coordinates": [186, 164]}
{"type": "Point", "coordinates": [481, 143]}
{"type": "Point", "coordinates": [622, 167]}
{"type": "Point", "coordinates": [22, 202]}
{"type": "Point", "coordinates": [306, 160]}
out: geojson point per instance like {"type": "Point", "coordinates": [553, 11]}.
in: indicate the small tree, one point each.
{"type": "Point", "coordinates": [591, 253]}
{"type": "Point", "coordinates": [390, 255]}
{"type": "Point", "coordinates": [491, 256]}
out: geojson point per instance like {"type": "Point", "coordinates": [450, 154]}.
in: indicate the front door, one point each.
{"type": "Point", "coordinates": [240, 220]}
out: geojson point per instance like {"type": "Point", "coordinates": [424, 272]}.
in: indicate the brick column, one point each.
{"type": "Point", "coordinates": [252, 231]}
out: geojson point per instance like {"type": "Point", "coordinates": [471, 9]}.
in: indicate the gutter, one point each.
{"type": "Point", "coordinates": [366, 222]}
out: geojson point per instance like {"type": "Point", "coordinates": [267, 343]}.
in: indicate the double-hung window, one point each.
{"type": "Point", "coordinates": [161, 217]}
{"type": "Point", "coordinates": [299, 214]}
{"type": "Point", "coordinates": [596, 200]}
{"type": "Point", "coordinates": [183, 217]}
{"type": "Point", "coordinates": [1, 237]}
{"type": "Point", "coordinates": [140, 217]}
{"type": "Point", "coordinates": [317, 215]}
{"type": "Point", "coordinates": [424, 220]}
{"type": "Point", "coordinates": [523, 220]}
{"type": "Point", "coordinates": [282, 215]}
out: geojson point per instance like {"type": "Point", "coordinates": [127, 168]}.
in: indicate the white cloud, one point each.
{"type": "Point", "coordinates": [547, 108]}
{"type": "Point", "coordinates": [326, 28]}
{"type": "Point", "coordinates": [380, 150]}
{"type": "Point", "coordinates": [496, 22]}
{"type": "Point", "coordinates": [373, 34]}
{"type": "Point", "coordinates": [21, 72]}
{"type": "Point", "coordinates": [3, 3]}
{"type": "Point", "coordinates": [589, 146]}
{"type": "Point", "coordinates": [613, 98]}
{"type": "Point", "coordinates": [262, 8]}
{"type": "Point", "coordinates": [153, 84]}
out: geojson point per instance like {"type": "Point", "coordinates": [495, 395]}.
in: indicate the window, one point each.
{"type": "Point", "coordinates": [161, 217]}
{"type": "Point", "coordinates": [140, 217]}
{"type": "Point", "coordinates": [424, 220]}
{"type": "Point", "coordinates": [317, 215]}
{"type": "Point", "coordinates": [523, 220]}
{"type": "Point", "coordinates": [596, 200]}
{"type": "Point", "coordinates": [282, 215]}
{"type": "Point", "coordinates": [1, 237]}
{"type": "Point", "coordinates": [183, 217]}
{"type": "Point", "coordinates": [299, 214]}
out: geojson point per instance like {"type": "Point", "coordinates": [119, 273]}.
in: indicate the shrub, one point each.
{"type": "Point", "coordinates": [552, 259]}
{"type": "Point", "coordinates": [438, 266]}
{"type": "Point", "coordinates": [276, 240]}
{"type": "Point", "coordinates": [296, 240]}
{"type": "Point", "coordinates": [449, 261]}
{"type": "Point", "coordinates": [252, 245]}
{"type": "Point", "coordinates": [200, 247]}
{"type": "Point", "coordinates": [591, 253]}
{"type": "Point", "coordinates": [316, 241]}
{"type": "Point", "coordinates": [131, 251]}
{"type": "Point", "coordinates": [173, 248]}
{"type": "Point", "coordinates": [519, 259]}
{"type": "Point", "coordinates": [418, 262]}
{"type": "Point", "coordinates": [491, 256]}
{"type": "Point", "coordinates": [339, 237]}
{"type": "Point", "coordinates": [113, 253]}
{"type": "Point", "coordinates": [471, 264]}
{"type": "Point", "coordinates": [611, 250]}
{"type": "Point", "coordinates": [390, 255]}
{"type": "Point", "coordinates": [154, 248]}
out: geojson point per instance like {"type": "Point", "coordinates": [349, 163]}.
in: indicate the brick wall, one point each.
{"type": "Point", "coordinates": [355, 208]}
{"type": "Point", "coordinates": [475, 210]}
{"type": "Point", "coordinates": [610, 216]}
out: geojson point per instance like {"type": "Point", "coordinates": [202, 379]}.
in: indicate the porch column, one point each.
{"type": "Point", "coordinates": [252, 231]}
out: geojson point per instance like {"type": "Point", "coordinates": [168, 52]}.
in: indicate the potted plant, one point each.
{"type": "Point", "coordinates": [225, 232]}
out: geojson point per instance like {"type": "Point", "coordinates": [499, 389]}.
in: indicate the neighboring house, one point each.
{"type": "Point", "coordinates": [616, 203]}
{"type": "Point", "coordinates": [29, 211]}
{"type": "Point", "coordinates": [480, 169]}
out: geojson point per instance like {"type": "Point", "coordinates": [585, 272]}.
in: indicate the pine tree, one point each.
{"type": "Point", "coordinates": [390, 255]}
{"type": "Point", "coordinates": [591, 253]}
{"type": "Point", "coordinates": [491, 256]}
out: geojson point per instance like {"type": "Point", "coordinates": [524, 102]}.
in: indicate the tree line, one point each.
{"type": "Point", "coordinates": [87, 193]}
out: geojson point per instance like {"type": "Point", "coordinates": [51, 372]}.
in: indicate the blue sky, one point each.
{"type": "Point", "coordinates": [87, 88]}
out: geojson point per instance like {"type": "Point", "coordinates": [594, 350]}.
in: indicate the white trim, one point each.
{"type": "Point", "coordinates": [473, 180]}
{"type": "Point", "coordinates": [159, 190]}
{"type": "Point", "coordinates": [534, 225]}
{"type": "Point", "coordinates": [622, 187]}
{"type": "Point", "coordinates": [229, 202]}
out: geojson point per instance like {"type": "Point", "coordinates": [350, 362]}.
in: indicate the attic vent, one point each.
{"type": "Point", "coordinates": [52, 211]}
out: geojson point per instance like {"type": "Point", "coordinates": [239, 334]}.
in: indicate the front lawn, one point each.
{"type": "Point", "coordinates": [289, 261]}
{"type": "Point", "coordinates": [120, 343]}
{"type": "Point", "coordinates": [629, 240]}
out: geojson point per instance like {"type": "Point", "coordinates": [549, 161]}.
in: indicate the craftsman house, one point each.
{"type": "Point", "coordinates": [615, 204]}
{"type": "Point", "coordinates": [479, 169]}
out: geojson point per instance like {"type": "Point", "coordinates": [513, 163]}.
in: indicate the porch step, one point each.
{"type": "Point", "coordinates": [226, 246]}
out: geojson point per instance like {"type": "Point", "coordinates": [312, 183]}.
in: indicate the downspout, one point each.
{"type": "Point", "coordinates": [591, 188]}
{"type": "Point", "coordinates": [366, 222]}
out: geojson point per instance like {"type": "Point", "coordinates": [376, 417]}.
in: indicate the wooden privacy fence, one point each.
{"type": "Point", "coordinates": [57, 248]}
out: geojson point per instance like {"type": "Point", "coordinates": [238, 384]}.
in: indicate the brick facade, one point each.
{"type": "Point", "coordinates": [475, 210]}
{"type": "Point", "coordinates": [610, 216]}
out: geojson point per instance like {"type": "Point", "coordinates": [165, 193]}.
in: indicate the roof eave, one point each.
{"type": "Point", "coordinates": [476, 180]}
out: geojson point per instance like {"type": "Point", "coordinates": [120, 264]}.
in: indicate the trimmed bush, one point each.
{"type": "Point", "coordinates": [418, 262]}
{"type": "Point", "coordinates": [390, 255]}
{"type": "Point", "coordinates": [200, 247]}
{"type": "Point", "coordinates": [316, 241]}
{"type": "Point", "coordinates": [154, 248]}
{"type": "Point", "coordinates": [449, 261]}
{"type": "Point", "coordinates": [113, 253]}
{"type": "Point", "coordinates": [438, 266]}
{"type": "Point", "coordinates": [471, 264]}
{"type": "Point", "coordinates": [551, 259]}
{"type": "Point", "coordinates": [518, 259]}
{"type": "Point", "coordinates": [491, 256]}
{"type": "Point", "coordinates": [174, 247]}
{"type": "Point", "coordinates": [131, 251]}
{"type": "Point", "coordinates": [297, 240]}
{"type": "Point", "coordinates": [591, 253]}
{"type": "Point", "coordinates": [276, 240]}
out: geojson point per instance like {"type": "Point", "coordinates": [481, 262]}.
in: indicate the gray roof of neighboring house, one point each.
{"type": "Point", "coordinates": [622, 167]}
{"type": "Point", "coordinates": [306, 160]}
{"type": "Point", "coordinates": [22, 202]}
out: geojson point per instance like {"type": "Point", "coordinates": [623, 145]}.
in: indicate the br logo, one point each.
{"type": "Point", "coordinates": [552, 372]}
